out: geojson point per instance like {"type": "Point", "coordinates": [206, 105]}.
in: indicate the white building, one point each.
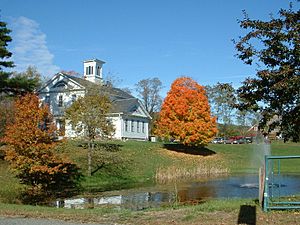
{"type": "Point", "coordinates": [128, 114]}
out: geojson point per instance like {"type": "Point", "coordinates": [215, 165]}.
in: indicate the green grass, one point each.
{"type": "Point", "coordinates": [238, 158]}
{"type": "Point", "coordinates": [225, 212]}
{"type": "Point", "coordinates": [56, 213]}
{"type": "Point", "coordinates": [247, 158]}
{"type": "Point", "coordinates": [226, 205]}
{"type": "Point", "coordinates": [140, 161]}
{"type": "Point", "coordinates": [283, 149]}
{"type": "Point", "coordinates": [10, 188]}
{"type": "Point", "coordinates": [144, 159]}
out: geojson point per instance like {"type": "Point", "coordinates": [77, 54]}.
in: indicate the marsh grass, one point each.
{"type": "Point", "coordinates": [173, 173]}
{"type": "Point", "coordinates": [189, 164]}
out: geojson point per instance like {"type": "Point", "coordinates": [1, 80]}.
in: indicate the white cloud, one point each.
{"type": "Point", "coordinates": [30, 47]}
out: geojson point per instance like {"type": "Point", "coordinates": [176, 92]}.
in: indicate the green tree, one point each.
{"type": "Point", "coordinates": [31, 79]}
{"type": "Point", "coordinates": [245, 120]}
{"type": "Point", "coordinates": [6, 113]}
{"type": "Point", "coordinates": [30, 152]}
{"type": "Point", "coordinates": [88, 117]}
{"type": "Point", "coordinates": [222, 100]}
{"type": "Point", "coordinates": [27, 81]}
{"type": "Point", "coordinates": [275, 46]}
{"type": "Point", "coordinates": [4, 56]}
{"type": "Point", "coordinates": [14, 83]}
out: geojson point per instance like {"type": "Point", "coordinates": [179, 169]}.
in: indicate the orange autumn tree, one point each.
{"type": "Point", "coordinates": [185, 114]}
{"type": "Point", "coordinates": [29, 151]}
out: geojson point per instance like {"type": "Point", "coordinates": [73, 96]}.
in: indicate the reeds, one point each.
{"type": "Point", "coordinates": [173, 173]}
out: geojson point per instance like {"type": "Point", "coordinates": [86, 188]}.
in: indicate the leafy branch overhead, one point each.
{"type": "Point", "coordinates": [275, 46]}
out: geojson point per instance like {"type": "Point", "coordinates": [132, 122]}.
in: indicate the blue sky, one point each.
{"type": "Point", "coordinates": [137, 39]}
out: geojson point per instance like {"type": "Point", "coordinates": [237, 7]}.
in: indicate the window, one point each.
{"type": "Point", "coordinates": [138, 126]}
{"type": "Point", "coordinates": [89, 70]}
{"type": "Point", "coordinates": [98, 70]}
{"type": "Point", "coordinates": [60, 101]}
{"type": "Point", "coordinates": [73, 98]}
{"type": "Point", "coordinates": [61, 85]}
{"type": "Point", "coordinates": [143, 127]}
{"type": "Point", "coordinates": [109, 121]}
{"type": "Point", "coordinates": [60, 125]}
{"type": "Point", "coordinates": [132, 126]}
{"type": "Point", "coordinates": [47, 99]}
{"type": "Point", "coordinates": [126, 125]}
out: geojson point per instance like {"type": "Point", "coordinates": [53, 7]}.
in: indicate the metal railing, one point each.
{"type": "Point", "coordinates": [272, 182]}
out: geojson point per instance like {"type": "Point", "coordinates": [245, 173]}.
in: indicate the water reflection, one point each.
{"type": "Point", "coordinates": [184, 193]}
{"type": "Point", "coordinates": [136, 201]}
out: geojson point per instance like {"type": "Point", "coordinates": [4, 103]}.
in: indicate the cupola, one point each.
{"type": "Point", "coordinates": [93, 70]}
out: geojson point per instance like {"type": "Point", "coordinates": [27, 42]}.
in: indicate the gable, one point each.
{"type": "Point", "coordinates": [141, 110]}
{"type": "Point", "coordinates": [138, 111]}
{"type": "Point", "coordinates": [60, 83]}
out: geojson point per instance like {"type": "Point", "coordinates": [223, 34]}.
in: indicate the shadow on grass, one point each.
{"type": "Point", "coordinates": [247, 215]}
{"type": "Point", "coordinates": [192, 150]}
{"type": "Point", "coordinates": [110, 147]}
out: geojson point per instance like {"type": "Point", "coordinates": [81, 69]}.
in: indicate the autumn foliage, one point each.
{"type": "Point", "coordinates": [185, 114]}
{"type": "Point", "coordinates": [30, 151]}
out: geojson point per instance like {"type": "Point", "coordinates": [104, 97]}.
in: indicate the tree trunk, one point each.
{"type": "Point", "coordinates": [90, 149]}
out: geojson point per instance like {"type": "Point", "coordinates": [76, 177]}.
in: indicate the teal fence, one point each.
{"type": "Point", "coordinates": [272, 182]}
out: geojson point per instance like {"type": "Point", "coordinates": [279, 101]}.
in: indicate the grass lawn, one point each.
{"type": "Point", "coordinates": [247, 158]}
{"type": "Point", "coordinates": [225, 212]}
{"type": "Point", "coordinates": [9, 186]}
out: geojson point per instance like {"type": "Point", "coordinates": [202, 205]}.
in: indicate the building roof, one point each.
{"type": "Point", "coordinates": [122, 102]}
{"type": "Point", "coordinates": [82, 82]}
{"type": "Point", "coordinates": [128, 105]}
{"type": "Point", "coordinates": [112, 92]}
{"type": "Point", "coordinates": [94, 60]}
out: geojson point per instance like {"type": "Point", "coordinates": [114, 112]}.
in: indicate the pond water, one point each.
{"type": "Point", "coordinates": [183, 193]}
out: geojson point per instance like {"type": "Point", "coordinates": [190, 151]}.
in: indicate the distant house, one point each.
{"type": "Point", "coordinates": [128, 114]}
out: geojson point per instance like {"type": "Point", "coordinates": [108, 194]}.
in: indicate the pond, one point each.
{"type": "Point", "coordinates": [239, 186]}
